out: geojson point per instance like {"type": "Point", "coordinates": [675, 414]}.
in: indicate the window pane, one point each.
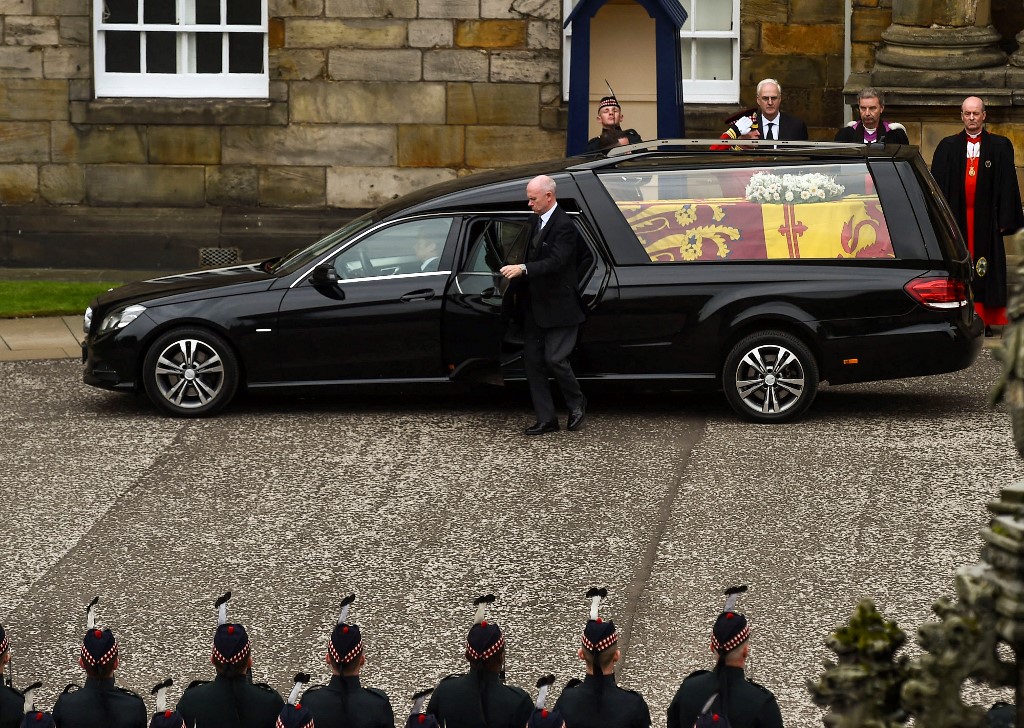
{"type": "Point", "coordinates": [120, 11]}
{"type": "Point", "coordinates": [495, 244]}
{"type": "Point", "coordinates": [208, 12]}
{"type": "Point", "coordinates": [714, 59]}
{"type": "Point", "coordinates": [158, 11]}
{"type": "Point", "coordinates": [208, 52]}
{"type": "Point", "coordinates": [687, 6]}
{"type": "Point", "coordinates": [413, 247]}
{"type": "Point", "coordinates": [687, 60]}
{"type": "Point", "coordinates": [123, 55]}
{"type": "Point", "coordinates": [161, 55]}
{"type": "Point", "coordinates": [713, 15]}
{"type": "Point", "coordinates": [775, 212]}
{"type": "Point", "coordinates": [245, 53]}
{"type": "Point", "coordinates": [244, 12]}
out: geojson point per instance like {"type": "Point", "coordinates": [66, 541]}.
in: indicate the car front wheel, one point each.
{"type": "Point", "coordinates": [190, 372]}
{"type": "Point", "coordinates": [770, 377]}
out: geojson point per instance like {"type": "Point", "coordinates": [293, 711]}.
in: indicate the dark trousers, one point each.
{"type": "Point", "coordinates": [547, 350]}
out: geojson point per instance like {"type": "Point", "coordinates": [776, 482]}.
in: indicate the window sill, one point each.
{"type": "Point", "coordinates": [256, 112]}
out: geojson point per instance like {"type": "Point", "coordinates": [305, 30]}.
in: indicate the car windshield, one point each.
{"type": "Point", "coordinates": [299, 258]}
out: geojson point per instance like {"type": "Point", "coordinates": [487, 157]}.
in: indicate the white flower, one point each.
{"type": "Point", "coordinates": [809, 187]}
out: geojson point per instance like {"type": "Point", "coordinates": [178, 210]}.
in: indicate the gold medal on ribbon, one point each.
{"type": "Point", "coordinates": [971, 171]}
{"type": "Point", "coordinates": [981, 266]}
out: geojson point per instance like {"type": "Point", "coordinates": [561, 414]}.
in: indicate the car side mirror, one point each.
{"type": "Point", "coordinates": [325, 275]}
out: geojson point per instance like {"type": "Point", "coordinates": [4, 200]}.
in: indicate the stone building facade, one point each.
{"type": "Point", "coordinates": [369, 99]}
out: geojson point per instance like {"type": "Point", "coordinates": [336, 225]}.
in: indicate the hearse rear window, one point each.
{"type": "Point", "coordinates": [754, 213]}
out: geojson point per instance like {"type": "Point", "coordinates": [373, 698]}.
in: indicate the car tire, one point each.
{"type": "Point", "coordinates": [770, 376]}
{"type": "Point", "coordinates": [190, 372]}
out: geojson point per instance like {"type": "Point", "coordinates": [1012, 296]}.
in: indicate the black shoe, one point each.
{"type": "Point", "coordinates": [539, 428]}
{"type": "Point", "coordinates": [576, 417]}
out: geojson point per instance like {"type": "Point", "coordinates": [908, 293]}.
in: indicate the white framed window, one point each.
{"type": "Point", "coordinates": [710, 51]}
{"type": "Point", "coordinates": [181, 48]}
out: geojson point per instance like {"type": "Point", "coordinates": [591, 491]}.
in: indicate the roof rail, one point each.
{"type": "Point", "coordinates": [658, 144]}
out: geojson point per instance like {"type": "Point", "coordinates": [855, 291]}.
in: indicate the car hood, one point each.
{"type": "Point", "coordinates": [181, 285]}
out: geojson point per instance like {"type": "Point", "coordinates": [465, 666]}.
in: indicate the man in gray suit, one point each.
{"type": "Point", "coordinates": [545, 295]}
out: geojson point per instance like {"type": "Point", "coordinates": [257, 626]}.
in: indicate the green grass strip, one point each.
{"type": "Point", "coordinates": [20, 299]}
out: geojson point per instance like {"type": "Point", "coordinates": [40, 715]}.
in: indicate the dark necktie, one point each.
{"type": "Point", "coordinates": [535, 240]}
{"type": "Point", "coordinates": [768, 134]}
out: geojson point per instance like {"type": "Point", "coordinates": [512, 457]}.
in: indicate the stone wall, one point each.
{"type": "Point", "coordinates": [369, 99]}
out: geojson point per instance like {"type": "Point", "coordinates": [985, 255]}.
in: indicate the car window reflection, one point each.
{"type": "Point", "coordinates": [410, 247]}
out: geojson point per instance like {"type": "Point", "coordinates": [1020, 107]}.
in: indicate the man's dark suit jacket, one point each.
{"type": "Point", "coordinates": [790, 128]}
{"type": "Point", "coordinates": [549, 287]}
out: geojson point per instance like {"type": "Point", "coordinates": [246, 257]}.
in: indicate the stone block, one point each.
{"type": "Point", "coordinates": [19, 184]}
{"type": "Point", "coordinates": [537, 9]}
{"type": "Point", "coordinates": [62, 8]}
{"type": "Point", "coordinates": [867, 24]}
{"type": "Point", "coordinates": [24, 141]}
{"type": "Point", "coordinates": [421, 145]}
{"type": "Point", "coordinates": [454, 65]}
{"type": "Point", "coordinates": [544, 35]}
{"type": "Point", "coordinates": [293, 186]}
{"type": "Point", "coordinates": [275, 34]}
{"type": "Point", "coordinates": [27, 100]}
{"type": "Point", "coordinates": [814, 11]}
{"type": "Point", "coordinates": [304, 64]}
{"type": "Point", "coordinates": [493, 104]}
{"type": "Point", "coordinates": [792, 71]}
{"type": "Point", "coordinates": [402, 64]}
{"type": "Point", "coordinates": [74, 30]}
{"type": "Point", "coordinates": [506, 146]}
{"type": "Point", "coordinates": [356, 187]}
{"type": "Point", "coordinates": [67, 62]}
{"type": "Point", "coordinates": [449, 9]}
{"type": "Point", "coordinates": [497, 9]}
{"type": "Point", "coordinates": [367, 103]}
{"type": "Point", "coordinates": [96, 144]}
{"type": "Point", "coordinates": [526, 66]}
{"type": "Point", "coordinates": [294, 8]}
{"type": "Point", "coordinates": [310, 145]}
{"type": "Point", "coordinates": [768, 11]}
{"type": "Point", "coordinates": [31, 31]}
{"type": "Point", "coordinates": [145, 185]}
{"type": "Point", "coordinates": [20, 62]}
{"type": "Point", "coordinates": [750, 37]}
{"type": "Point", "coordinates": [332, 33]}
{"type": "Point", "coordinates": [371, 8]}
{"type": "Point", "coordinates": [554, 118]}
{"type": "Point", "coordinates": [184, 145]}
{"type": "Point", "coordinates": [490, 33]}
{"type": "Point", "coordinates": [431, 34]}
{"type": "Point", "coordinates": [806, 40]}
{"type": "Point", "coordinates": [62, 184]}
{"type": "Point", "coordinates": [550, 93]}
{"type": "Point", "coordinates": [15, 7]}
{"type": "Point", "coordinates": [232, 185]}
{"type": "Point", "coordinates": [862, 57]}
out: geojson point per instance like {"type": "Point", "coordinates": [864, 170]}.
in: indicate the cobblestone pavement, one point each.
{"type": "Point", "coordinates": [419, 502]}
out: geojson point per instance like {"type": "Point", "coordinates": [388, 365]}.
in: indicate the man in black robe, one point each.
{"type": "Point", "coordinates": [975, 172]}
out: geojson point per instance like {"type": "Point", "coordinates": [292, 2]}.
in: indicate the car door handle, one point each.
{"type": "Point", "coordinates": [425, 295]}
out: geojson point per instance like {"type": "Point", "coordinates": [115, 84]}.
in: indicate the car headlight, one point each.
{"type": "Point", "coordinates": [121, 317]}
{"type": "Point", "coordinates": [87, 319]}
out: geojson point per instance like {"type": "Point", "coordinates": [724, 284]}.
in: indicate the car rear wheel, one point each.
{"type": "Point", "coordinates": [190, 372]}
{"type": "Point", "coordinates": [770, 377]}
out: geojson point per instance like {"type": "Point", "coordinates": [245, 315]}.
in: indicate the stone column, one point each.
{"type": "Point", "coordinates": [942, 35]}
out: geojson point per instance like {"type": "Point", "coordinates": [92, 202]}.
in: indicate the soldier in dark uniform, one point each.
{"type": "Point", "coordinates": [12, 703]}
{"type": "Point", "coordinates": [726, 691]}
{"type": "Point", "coordinates": [481, 699]}
{"type": "Point", "coordinates": [598, 701]}
{"type": "Point", "coordinates": [344, 702]}
{"type": "Point", "coordinates": [419, 719]}
{"type": "Point", "coordinates": [609, 116]}
{"type": "Point", "coordinates": [164, 718]}
{"type": "Point", "coordinates": [295, 714]}
{"type": "Point", "coordinates": [37, 719]}
{"type": "Point", "coordinates": [100, 703]}
{"type": "Point", "coordinates": [232, 700]}
{"type": "Point", "coordinates": [541, 717]}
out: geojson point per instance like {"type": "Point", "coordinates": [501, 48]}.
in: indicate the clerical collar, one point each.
{"type": "Point", "coordinates": [974, 137]}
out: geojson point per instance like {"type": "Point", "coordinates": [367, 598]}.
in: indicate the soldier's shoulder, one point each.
{"type": "Point", "coordinates": [70, 688]}
{"type": "Point", "coordinates": [379, 694]}
{"type": "Point", "coordinates": [453, 676]}
{"type": "Point", "coordinates": [195, 684]}
{"type": "Point", "coordinates": [767, 693]}
{"type": "Point", "coordinates": [129, 693]}
{"type": "Point", "coordinates": [696, 673]}
{"type": "Point", "coordinates": [264, 688]}
{"type": "Point", "coordinates": [519, 692]}
{"type": "Point", "coordinates": [574, 683]}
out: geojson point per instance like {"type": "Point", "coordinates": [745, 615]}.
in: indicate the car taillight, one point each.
{"type": "Point", "coordinates": [938, 292]}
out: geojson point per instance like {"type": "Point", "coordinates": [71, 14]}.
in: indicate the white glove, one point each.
{"type": "Point", "coordinates": [743, 124]}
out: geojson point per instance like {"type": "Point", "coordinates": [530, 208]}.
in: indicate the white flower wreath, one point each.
{"type": "Point", "coordinates": [793, 189]}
